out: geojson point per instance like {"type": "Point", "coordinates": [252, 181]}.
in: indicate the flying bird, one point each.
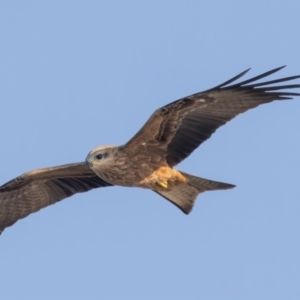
{"type": "Point", "coordinates": [169, 136]}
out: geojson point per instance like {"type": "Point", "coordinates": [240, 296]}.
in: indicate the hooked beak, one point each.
{"type": "Point", "coordinates": [89, 163]}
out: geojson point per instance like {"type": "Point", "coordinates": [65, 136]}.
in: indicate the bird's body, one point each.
{"type": "Point", "coordinates": [147, 160]}
{"type": "Point", "coordinates": [118, 167]}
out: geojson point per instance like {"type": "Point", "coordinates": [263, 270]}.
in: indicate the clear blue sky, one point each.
{"type": "Point", "coordinates": [78, 74]}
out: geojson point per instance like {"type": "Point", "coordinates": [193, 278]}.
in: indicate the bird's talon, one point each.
{"type": "Point", "coordinates": [162, 183]}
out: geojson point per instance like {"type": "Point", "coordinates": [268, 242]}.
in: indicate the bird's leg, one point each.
{"type": "Point", "coordinates": [162, 183]}
{"type": "Point", "coordinates": [164, 177]}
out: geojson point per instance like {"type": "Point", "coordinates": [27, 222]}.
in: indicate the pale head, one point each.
{"type": "Point", "coordinates": [101, 155]}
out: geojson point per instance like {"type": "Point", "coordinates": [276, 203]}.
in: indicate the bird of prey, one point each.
{"type": "Point", "coordinates": [170, 135]}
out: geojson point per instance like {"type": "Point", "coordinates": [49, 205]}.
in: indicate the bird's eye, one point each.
{"type": "Point", "coordinates": [99, 156]}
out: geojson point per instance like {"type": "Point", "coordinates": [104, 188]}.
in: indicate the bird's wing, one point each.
{"type": "Point", "coordinates": [177, 129]}
{"type": "Point", "coordinates": [37, 189]}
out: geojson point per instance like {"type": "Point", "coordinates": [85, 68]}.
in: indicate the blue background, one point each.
{"type": "Point", "coordinates": [78, 74]}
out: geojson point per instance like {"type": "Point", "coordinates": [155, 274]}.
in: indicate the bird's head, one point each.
{"type": "Point", "coordinates": [100, 156]}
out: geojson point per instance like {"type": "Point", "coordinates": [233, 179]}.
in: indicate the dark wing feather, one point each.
{"type": "Point", "coordinates": [37, 189]}
{"type": "Point", "coordinates": [178, 128]}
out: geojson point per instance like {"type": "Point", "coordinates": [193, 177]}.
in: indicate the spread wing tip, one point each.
{"type": "Point", "coordinates": [226, 85]}
{"type": "Point", "coordinates": [230, 80]}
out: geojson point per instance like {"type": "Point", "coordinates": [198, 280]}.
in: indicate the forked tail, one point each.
{"type": "Point", "coordinates": [185, 195]}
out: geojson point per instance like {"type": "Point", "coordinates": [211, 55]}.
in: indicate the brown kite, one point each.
{"type": "Point", "coordinates": [171, 134]}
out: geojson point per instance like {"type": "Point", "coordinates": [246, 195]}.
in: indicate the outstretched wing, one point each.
{"type": "Point", "coordinates": [177, 129]}
{"type": "Point", "coordinates": [37, 189]}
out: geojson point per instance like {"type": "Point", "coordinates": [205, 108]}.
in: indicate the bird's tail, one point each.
{"type": "Point", "coordinates": [184, 195]}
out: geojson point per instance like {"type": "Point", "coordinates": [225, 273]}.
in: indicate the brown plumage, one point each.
{"type": "Point", "coordinates": [171, 134]}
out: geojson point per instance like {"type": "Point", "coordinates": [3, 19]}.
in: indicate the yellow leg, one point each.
{"type": "Point", "coordinates": [162, 183]}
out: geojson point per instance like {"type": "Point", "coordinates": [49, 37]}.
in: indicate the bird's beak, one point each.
{"type": "Point", "coordinates": [90, 164]}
